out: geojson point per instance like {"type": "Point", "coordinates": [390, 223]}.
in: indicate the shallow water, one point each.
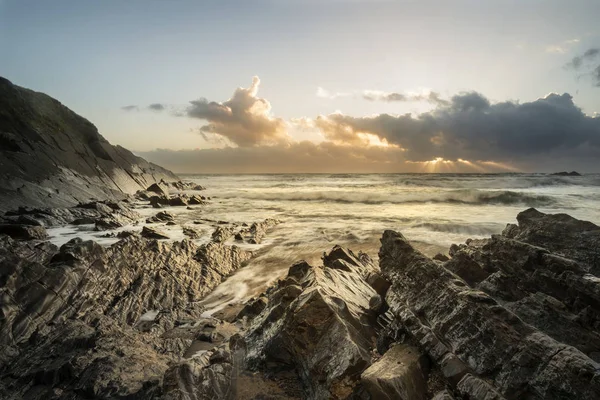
{"type": "Point", "coordinates": [319, 211]}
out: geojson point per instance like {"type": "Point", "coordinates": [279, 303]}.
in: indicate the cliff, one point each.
{"type": "Point", "coordinates": [50, 156]}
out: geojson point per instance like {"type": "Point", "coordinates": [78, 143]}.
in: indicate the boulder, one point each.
{"type": "Point", "coordinates": [153, 233]}
{"type": "Point", "coordinates": [163, 216]}
{"type": "Point", "coordinates": [23, 232]}
{"type": "Point", "coordinates": [192, 232]}
{"type": "Point", "coordinates": [317, 322]}
{"type": "Point", "coordinates": [560, 234]}
{"type": "Point", "coordinates": [222, 234]}
{"type": "Point", "coordinates": [400, 374]}
{"type": "Point", "coordinates": [160, 188]}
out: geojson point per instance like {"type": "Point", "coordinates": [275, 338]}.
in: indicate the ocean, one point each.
{"type": "Point", "coordinates": [318, 211]}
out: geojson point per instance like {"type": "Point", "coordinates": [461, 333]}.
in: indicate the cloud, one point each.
{"type": "Point", "coordinates": [305, 157]}
{"type": "Point", "coordinates": [244, 119]}
{"type": "Point", "coordinates": [562, 47]}
{"type": "Point", "coordinates": [378, 95]}
{"type": "Point", "coordinates": [588, 64]}
{"type": "Point", "coordinates": [157, 107]}
{"type": "Point", "coordinates": [428, 96]}
{"type": "Point", "coordinates": [130, 108]}
{"type": "Point", "coordinates": [469, 127]}
{"type": "Point", "coordinates": [466, 133]}
{"type": "Point", "coordinates": [326, 94]}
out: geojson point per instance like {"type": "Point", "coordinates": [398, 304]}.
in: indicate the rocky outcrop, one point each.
{"type": "Point", "coordinates": [482, 346]}
{"type": "Point", "coordinates": [93, 321]}
{"type": "Point", "coordinates": [400, 374]}
{"type": "Point", "coordinates": [256, 232]}
{"type": "Point", "coordinates": [52, 157]}
{"type": "Point", "coordinates": [318, 322]}
{"type": "Point", "coordinates": [565, 173]}
{"type": "Point", "coordinates": [561, 234]}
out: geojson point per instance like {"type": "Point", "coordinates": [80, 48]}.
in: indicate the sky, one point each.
{"type": "Point", "coordinates": [322, 86]}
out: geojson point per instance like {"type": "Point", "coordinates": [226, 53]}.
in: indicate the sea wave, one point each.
{"type": "Point", "coordinates": [459, 228]}
{"type": "Point", "coordinates": [468, 196]}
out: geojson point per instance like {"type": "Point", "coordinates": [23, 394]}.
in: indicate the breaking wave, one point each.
{"type": "Point", "coordinates": [471, 196]}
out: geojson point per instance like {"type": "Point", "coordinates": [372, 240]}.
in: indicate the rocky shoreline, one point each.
{"type": "Point", "coordinates": [515, 316]}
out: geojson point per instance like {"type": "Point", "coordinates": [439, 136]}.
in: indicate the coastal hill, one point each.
{"type": "Point", "coordinates": [50, 156]}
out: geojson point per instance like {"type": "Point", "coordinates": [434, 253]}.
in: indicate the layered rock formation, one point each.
{"type": "Point", "coordinates": [515, 316]}
{"type": "Point", "coordinates": [53, 157]}
{"type": "Point", "coordinates": [91, 321]}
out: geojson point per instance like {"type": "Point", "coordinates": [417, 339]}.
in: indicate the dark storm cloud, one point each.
{"type": "Point", "coordinates": [130, 108]}
{"type": "Point", "coordinates": [472, 128]}
{"type": "Point", "coordinates": [245, 119]}
{"type": "Point", "coordinates": [588, 64]}
{"type": "Point", "coordinates": [157, 107]}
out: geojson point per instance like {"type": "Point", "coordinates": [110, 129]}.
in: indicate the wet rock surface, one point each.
{"type": "Point", "coordinates": [515, 316]}
{"type": "Point", "coordinates": [88, 320]}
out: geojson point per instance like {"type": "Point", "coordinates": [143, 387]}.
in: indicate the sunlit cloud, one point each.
{"type": "Point", "coordinates": [245, 119]}
{"type": "Point", "coordinates": [326, 94]}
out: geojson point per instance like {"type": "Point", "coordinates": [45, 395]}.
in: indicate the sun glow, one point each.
{"type": "Point", "coordinates": [441, 165]}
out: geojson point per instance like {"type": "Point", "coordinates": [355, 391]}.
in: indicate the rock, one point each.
{"type": "Point", "coordinates": [222, 233]}
{"type": "Point", "coordinates": [192, 232]}
{"type": "Point", "coordinates": [503, 356]}
{"type": "Point", "coordinates": [257, 231]}
{"type": "Point", "coordinates": [179, 200]}
{"type": "Point", "coordinates": [52, 157]}
{"type": "Point", "coordinates": [400, 374]}
{"type": "Point", "coordinates": [24, 232]}
{"type": "Point", "coordinates": [88, 345]}
{"type": "Point", "coordinates": [163, 216]}
{"type": "Point", "coordinates": [560, 234]}
{"type": "Point", "coordinates": [153, 233]}
{"type": "Point", "coordinates": [443, 395]}
{"type": "Point", "coordinates": [441, 257]}
{"type": "Point", "coordinates": [547, 291]}
{"type": "Point", "coordinates": [159, 188]}
{"type": "Point", "coordinates": [318, 322]}
{"type": "Point", "coordinates": [125, 234]}
{"type": "Point", "coordinates": [159, 201]}
{"type": "Point", "coordinates": [195, 200]}
{"type": "Point", "coordinates": [565, 173]}
{"type": "Point", "coordinates": [253, 308]}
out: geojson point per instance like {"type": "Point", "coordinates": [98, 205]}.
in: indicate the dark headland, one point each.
{"type": "Point", "coordinates": [514, 316]}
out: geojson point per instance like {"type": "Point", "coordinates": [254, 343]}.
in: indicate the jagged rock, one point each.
{"type": "Point", "coordinates": [179, 200]}
{"type": "Point", "coordinates": [400, 374]}
{"type": "Point", "coordinates": [502, 355]}
{"type": "Point", "coordinates": [318, 322]}
{"type": "Point", "coordinates": [125, 234]}
{"type": "Point", "coordinates": [163, 216]}
{"type": "Point", "coordinates": [256, 232]}
{"type": "Point", "coordinates": [443, 395]}
{"type": "Point", "coordinates": [195, 200]}
{"type": "Point", "coordinates": [191, 232]}
{"type": "Point", "coordinates": [222, 233]}
{"type": "Point", "coordinates": [554, 294]}
{"type": "Point", "coordinates": [153, 233]}
{"type": "Point", "coordinates": [565, 173]}
{"type": "Point", "coordinates": [441, 257]}
{"type": "Point", "coordinates": [560, 234]}
{"type": "Point", "coordinates": [159, 188]}
{"type": "Point", "coordinates": [159, 201]}
{"type": "Point", "coordinates": [253, 308]}
{"type": "Point", "coordinates": [24, 232]}
{"type": "Point", "coordinates": [71, 318]}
